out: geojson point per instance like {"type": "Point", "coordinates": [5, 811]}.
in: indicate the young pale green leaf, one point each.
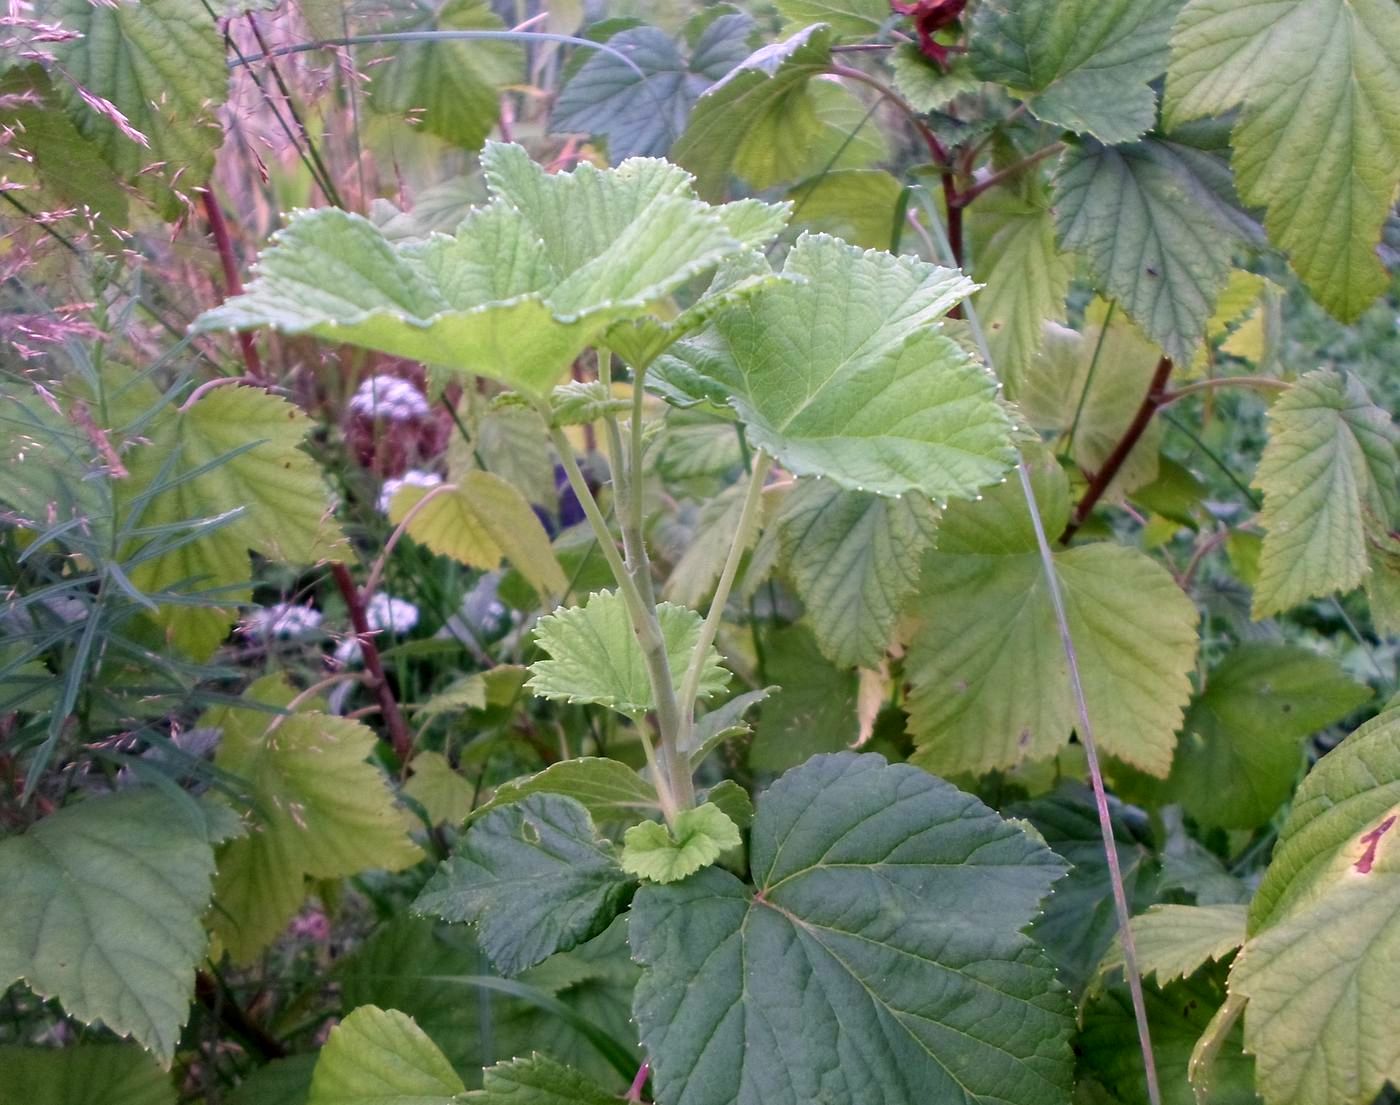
{"type": "Point", "coordinates": [847, 374]}
{"type": "Point", "coordinates": [1025, 278]}
{"type": "Point", "coordinates": [103, 904]}
{"type": "Point", "coordinates": [1240, 752]}
{"type": "Point", "coordinates": [813, 708]}
{"type": "Point", "coordinates": [847, 17]}
{"type": "Point", "coordinates": [1159, 224]}
{"type": "Point", "coordinates": [526, 283]}
{"type": "Point", "coordinates": [83, 1074]}
{"type": "Point", "coordinates": [507, 440]}
{"type": "Point", "coordinates": [319, 810]}
{"type": "Point", "coordinates": [722, 723]}
{"type": "Point", "coordinates": [607, 789]}
{"type": "Point", "coordinates": [701, 835]}
{"type": "Point", "coordinates": [764, 121]}
{"type": "Point", "coordinates": [237, 449]}
{"type": "Point", "coordinates": [445, 796]}
{"type": "Point", "coordinates": [1329, 473]}
{"type": "Point", "coordinates": [642, 108]}
{"type": "Point", "coordinates": [452, 89]}
{"type": "Point", "coordinates": [858, 205]}
{"type": "Point", "coordinates": [925, 85]}
{"type": "Point", "coordinates": [594, 655]}
{"type": "Point", "coordinates": [160, 63]}
{"type": "Point", "coordinates": [1174, 941]}
{"type": "Point", "coordinates": [1339, 828]}
{"type": "Point", "coordinates": [534, 878]}
{"type": "Point", "coordinates": [1316, 82]}
{"type": "Point", "coordinates": [580, 402]}
{"type": "Point", "coordinates": [990, 688]}
{"type": "Point", "coordinates": [805, 990]}
{"type": "Point", "coordinates": [381, 1057]}
{"type": "Point", "coordinates": [538, 1080]}
{"type": "Point", "coordinates": [1090, 385]}
{"type": "Point", "coordinates": [1085, 65]}
{"type": "Point", "coordinates": [854, 559]}
{"type": "Point", "coordinates": [482, 520]}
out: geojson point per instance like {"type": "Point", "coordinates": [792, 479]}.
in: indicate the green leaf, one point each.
{"type": "Point", "coordinates": [707, 545]}
{"type": "Point", "coordinates": [534, 878]}
{"type": "Point", "coordinates": [1315, 82]}
{"type": "Point", "coordinates": [607, 789]}
{"type": "Point", "coordinates": [319, 810]}
{"type": "Point", "coordinates": [1328, 473]}
{"type": "Point", "coordinates": [525, 285]}
{"type": "Point", "coordinates": [450, 89]}
{"type": "Point", "coordinates": [854, 560]}
{"type": "Point", "coordinates": [926, 86]}
{"type": "Point", "coordinates": [764, 121]}
{"type": "Point", "coordinates": [580, 402]}
{"type": "Point", "coordinates": [1025, 278]}
{"type": "Point", "coordinates": [1090, 385]}
{"type": "Point", "coordinates": [381, 1057]}
{"type": "Point", "coordinates": [594, 655]}
{"type": "Point", "coordinates": [722, 723]}
{"type": "Point", "coordinates": [848, 374]}
{"type": "Point", "coordinates": [1080, 64]}
{"type": "Point", "coordinates": [858, 205]}
{"type": "Point", "coordinates": [1322, 964]}
{"type": "Point", "coordinates": [103, 903]}
{"type": "Point", "coordinates": [643, 113]}
{"type": "Point", "coordinates": [1346, 797]}
{"type": "Point", "coordinates": [701, 835]}
{"type": "Point", "coordinates": [1077, 924]}
{"type": "Point", "coordinates": [439, 789]}
{"type": "Point", "coordinates": [160, 63]}
{"type": "Point", "coordinates": [1240, 752]}
{"type": "Point", "coordinates": [813, 709]}
{"type": "Point", "coordinates": [1159, 224]}
{"type": "Point", "coordinates": [1320, 984]}
{"type": "Point", "coordinates": [1174, 941]}
{"type": "Point", "coordinates": [805, 990]}
{"type": "Point", "coordinates": [481, 521]}
{"type": "Point", "coordinates": [1177, 1015]}
{"type": "Point", "coordinates": [280, 1082]}
{"type": "Point", "coordinates": [538, 1080]}
{"type": "Point", "coordinates": [988, 669]}
{"type": "Point", "coordinates": [237, 449]}
{"type": "Point", "coordinates": [854, 18]}
{"type": "Point", "coordinates": [85, 1074]}
{"type": "Point", "coordinates": [63, 167]}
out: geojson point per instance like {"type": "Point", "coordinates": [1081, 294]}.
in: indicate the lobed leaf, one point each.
{"type": "Point", "coordinates": [879, 958]}
{"type": "Point", "coordinates": [534, 879]}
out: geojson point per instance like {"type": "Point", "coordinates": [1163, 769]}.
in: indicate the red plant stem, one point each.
{"type": "Point", "coordinates": [232, 284]}
{"type": "Point", "coordinates": [635, 1092]}
{"type": "Point", "coordinates": [1151, 402]}
{"type": "Point", "coordinates": [936, 149]}
{"type": "Point", "coordinates": [399, 736]}
{"type": "Point", "coordinates": [1003, 175]}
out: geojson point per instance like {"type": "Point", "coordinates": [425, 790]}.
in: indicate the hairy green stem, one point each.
{"type": "Point", "coordinates": [748, 521]}
{"type": "Point", "coordinates": [1085, 726]}
{"type": "Point", "coordinates": [674, 786]}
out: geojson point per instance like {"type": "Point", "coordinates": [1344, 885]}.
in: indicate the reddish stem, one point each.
{"type": "Point", "coordinates": [399, 736]}
{"type": "Point", "coordinates": [635, 1092]}
{"type": "Point", "coordinates": [1151, 402]}
{"type": "Point", "coordinates": [232, 284]}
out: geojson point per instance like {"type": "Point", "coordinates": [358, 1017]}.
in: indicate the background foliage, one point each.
{"type": "Point", "coordinates": [518, 583]}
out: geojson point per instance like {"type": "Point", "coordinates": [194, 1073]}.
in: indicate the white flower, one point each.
{"type": "Point", "coordinates": [382, 612]}
{"type": "Point", "coordinates": [412, 478]}
{"type": "Point", "coordinates": [283, 621]}
{"type": "Point", "coordinates": [396, 615]}
{"type": "Point", "coordinates": [390, 397]}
